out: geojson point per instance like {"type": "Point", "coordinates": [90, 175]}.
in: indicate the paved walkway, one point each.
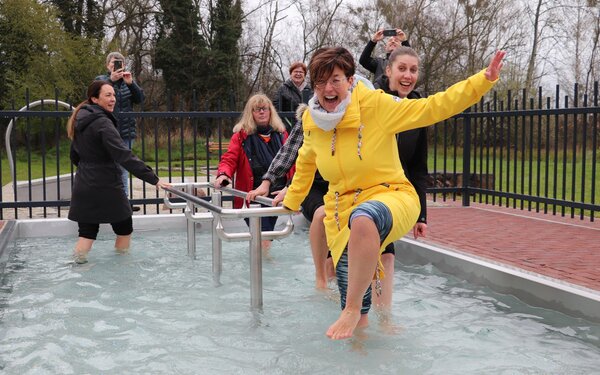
{"type": "Point", "coordinates": [554, 246]}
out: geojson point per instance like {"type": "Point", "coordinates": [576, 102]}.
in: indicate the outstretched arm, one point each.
{"type": "Point", "coordinates": [415, 113]}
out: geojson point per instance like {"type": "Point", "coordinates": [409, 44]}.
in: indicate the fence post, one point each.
{"type": "Point", "coordinates": [466, 159]}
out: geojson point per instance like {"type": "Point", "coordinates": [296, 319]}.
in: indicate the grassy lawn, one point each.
{"type": "Point", "coordinates": [521, 177]}
{"type": "Point", "coordinates": [159, 159]}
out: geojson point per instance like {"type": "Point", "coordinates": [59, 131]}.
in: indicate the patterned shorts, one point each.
{"type": "Point", "coordinates": [382, 218]}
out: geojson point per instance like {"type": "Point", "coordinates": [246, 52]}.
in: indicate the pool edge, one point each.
{"type": "Point", "coordinates": [532, 288]}
{"type": "Point", "coordinates": [7, 234]}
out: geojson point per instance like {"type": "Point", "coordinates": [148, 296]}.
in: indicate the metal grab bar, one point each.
{"type": "Point", "coordinates": [234, 213]}
{"type": "Point", "coordinates": [268, 235]}
{"type": "Point", "coordinates": [215, 214]}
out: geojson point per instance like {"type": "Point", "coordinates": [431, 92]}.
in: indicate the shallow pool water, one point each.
{"type": "Point", "coordinates": [155, 311]}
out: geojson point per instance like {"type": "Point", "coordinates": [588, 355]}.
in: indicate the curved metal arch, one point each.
{"type": "Point", "coordinates": [10, 126]}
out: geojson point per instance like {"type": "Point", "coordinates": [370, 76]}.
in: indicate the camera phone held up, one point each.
{"type": "Point", "coordinates": [117, 65]}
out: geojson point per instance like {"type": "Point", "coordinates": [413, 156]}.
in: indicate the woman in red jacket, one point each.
{"type": "Point", "coordinates": [257, 137]}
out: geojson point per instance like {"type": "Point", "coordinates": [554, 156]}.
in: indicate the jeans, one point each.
{"type": "Point", "coordinates": [125, 176]}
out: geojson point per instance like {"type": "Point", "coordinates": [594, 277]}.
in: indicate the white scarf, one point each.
{"type": "Point", "coordinates": [327, 120]}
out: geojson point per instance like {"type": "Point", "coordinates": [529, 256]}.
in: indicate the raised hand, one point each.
{"type": "Point", "coordinates": [377, 36]}
{"type": "Point", "coordinates": [493, 70]}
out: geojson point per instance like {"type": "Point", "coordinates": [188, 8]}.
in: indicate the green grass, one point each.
{"type": "Point", "coordinates": [526, 180]}
{"type": "Point", "coordinates": [506, 182]}
{"type": "Point", "coordinates": [150, 156]}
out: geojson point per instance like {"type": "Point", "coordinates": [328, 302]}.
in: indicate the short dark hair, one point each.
{"type": "Point", "coordinates": [325, 60]}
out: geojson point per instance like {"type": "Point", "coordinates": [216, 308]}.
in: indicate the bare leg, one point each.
{"type": "Point", "coordinates": [363, 253]}
{"type": "Point", "coordinates": [318, 246]}
{"type": "Point", "coordinates": [122, 243]}
{"type": "Point", "coordinates": [265, 245]}
{"type": "Point", "coordinates": [384, 301]}
{"type": "Point", "coordinates": [82, 248]}
{"type": "Point", "coordinates": [329, 269]}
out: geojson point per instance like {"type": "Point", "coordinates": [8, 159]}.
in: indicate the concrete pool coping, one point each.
{"type": "Point", "coordinates": [532, 288]}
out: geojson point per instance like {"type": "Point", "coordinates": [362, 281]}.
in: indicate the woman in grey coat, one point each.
{"type": "Point", "coordinates": [98, 152]}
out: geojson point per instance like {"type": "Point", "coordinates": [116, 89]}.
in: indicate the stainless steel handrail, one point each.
{"type": "Point", "coordinates": [215, 215]}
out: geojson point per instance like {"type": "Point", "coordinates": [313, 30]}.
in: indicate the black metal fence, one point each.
{"type": "Point", "coordinates": [537, 153]}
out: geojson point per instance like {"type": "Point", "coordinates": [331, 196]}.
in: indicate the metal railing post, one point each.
{"type": "Point", "coordinates": [217, 244]}
{"type": "Point", "coordinates": [256, 298]}
{"type": "Point", "coordinates": [191, 227]}
{"type": "Point", "coordinates": [216, 214]}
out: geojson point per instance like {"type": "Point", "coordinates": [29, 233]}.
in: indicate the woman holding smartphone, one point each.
{"type": "Point", "coordinates": [376, 65]}
{"type": "Point", "coordinates": [127, 93]}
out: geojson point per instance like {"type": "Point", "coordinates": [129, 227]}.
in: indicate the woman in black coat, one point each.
{"type": "Point", "coordinates": [98, 152]}
{"type": "Point", "coordinates": [401, 76]}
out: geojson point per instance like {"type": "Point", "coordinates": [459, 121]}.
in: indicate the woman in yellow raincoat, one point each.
{"type": "Point", "coordinates": [349, 136]}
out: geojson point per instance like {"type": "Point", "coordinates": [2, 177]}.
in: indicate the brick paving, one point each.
{"type": "Point", "coordinates": [551, 245]}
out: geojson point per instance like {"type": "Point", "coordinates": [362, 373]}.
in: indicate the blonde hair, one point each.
{"type": "Point", "coordinates": [246, 121]}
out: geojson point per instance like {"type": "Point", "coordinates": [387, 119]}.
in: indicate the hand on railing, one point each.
{"type": "Point", "coordinates": [262, 189]}
{"type": "Point", "coordinates": [161, 184]}
{"type": "Point", "coordinates": [222, 180]}
{"type": "Point", "coordinates": [279, 197]}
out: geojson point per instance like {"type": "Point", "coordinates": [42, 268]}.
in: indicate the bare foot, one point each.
{"type": "Point", "coordinates": [364, 321]}
{"type": "Point", "coordinates": [321, 284]}
{"type": "Point", "coordinates": [358, 341]}
{"type": "Point", "coordinates": [345, 325]}
{"type": "Point", "coordinates": [80, 257]}
{"type": "Point", "coordinates": [122, 251]}
{"type": "Point", "coordinates": [387, 325]}
{"type": "Point", "coordinates": [325, 282]}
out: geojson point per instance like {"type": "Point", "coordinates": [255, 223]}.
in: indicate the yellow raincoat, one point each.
{"type": "Point", "coordinates": [360, 159]}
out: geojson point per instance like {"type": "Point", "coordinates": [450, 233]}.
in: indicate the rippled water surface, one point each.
{"type": "Point", "coordinates": [154, 311]}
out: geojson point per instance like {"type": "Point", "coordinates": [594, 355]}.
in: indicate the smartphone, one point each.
{"type": "Point", "coordinates": [117, 64]}
{"type": "Point", "coordinates": [390, 32]}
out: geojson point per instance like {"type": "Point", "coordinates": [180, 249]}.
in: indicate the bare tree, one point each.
{"type": "Point", "coordinates": [451, 37]}
{"type": "Point", "coordinates": [259, 45]}
{"type": "Point", "coordinates": [132, 30]}
{"type": "Point", "coordinates": [319, 23]}
{"type": "Point", "coordinates": [580, 36]}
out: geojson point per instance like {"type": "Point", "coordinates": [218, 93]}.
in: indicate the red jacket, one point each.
{"type": "Point", "coordinates": [235, 162]}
